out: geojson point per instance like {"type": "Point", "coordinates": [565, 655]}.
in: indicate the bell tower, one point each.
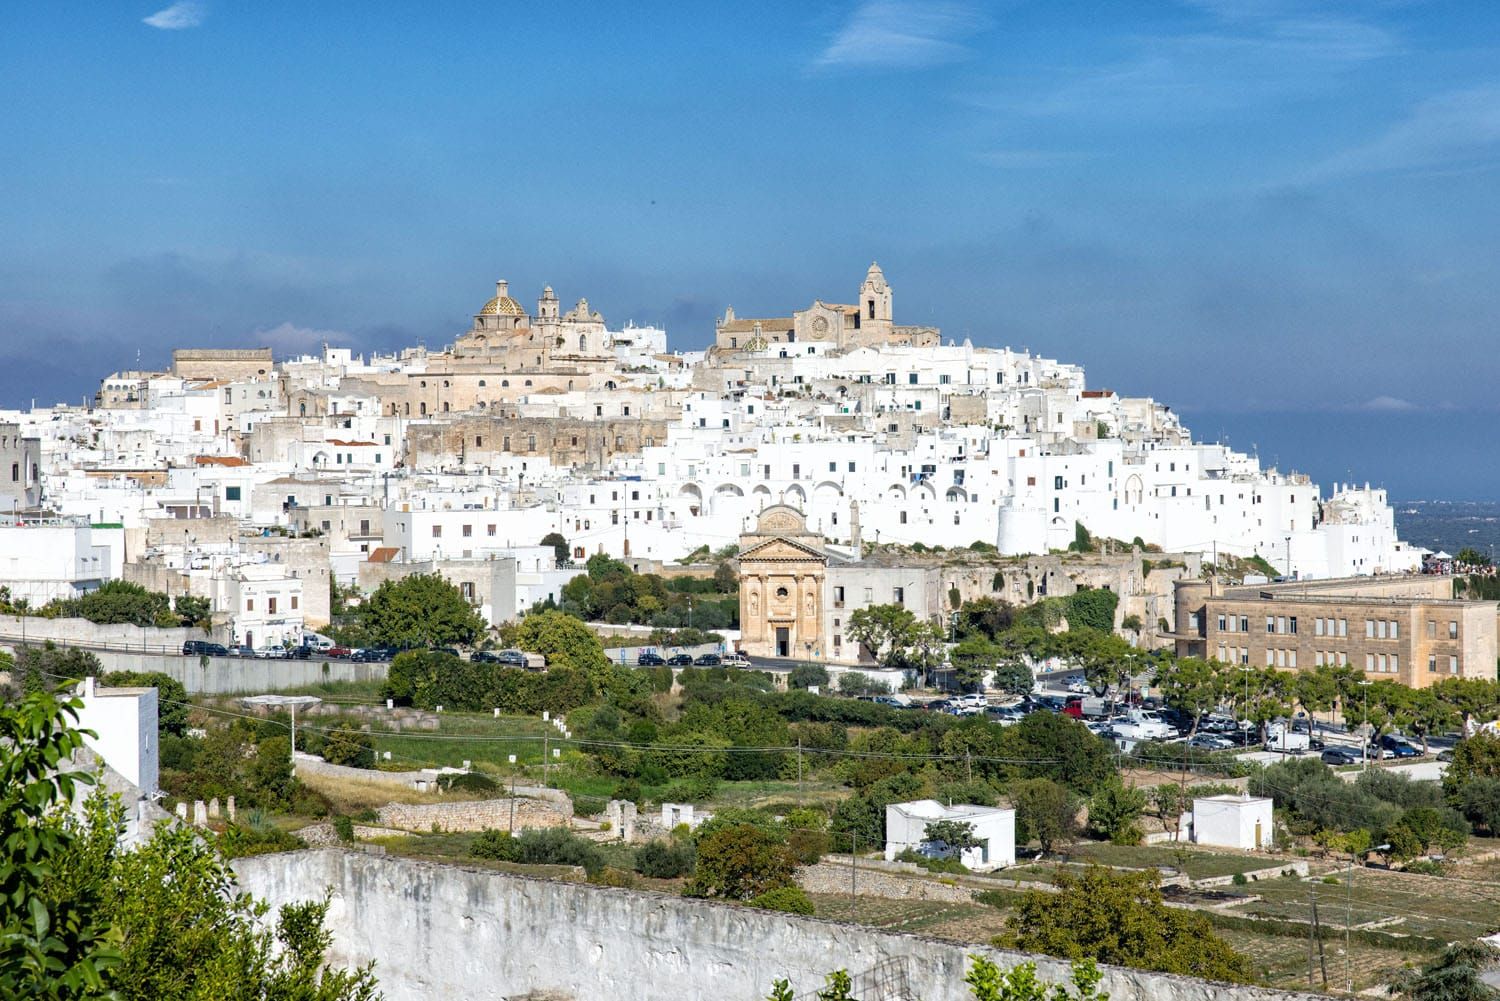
{"type": "Point", "coordinates": [875, 303]}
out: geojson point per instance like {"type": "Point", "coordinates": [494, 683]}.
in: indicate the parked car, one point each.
{"type": "Point", "coordinates": [649, 658]}
{"type": "Point", "coordinates": [484, 657]}
{"type": "Point", "coordinates": [1079, 687]}
{"type": "Point", "coordinates": [300, 652]}
{"type": "Point", "coordinates": [708, 660]}
{"type": "Point", "coordinates": [512, 658]}
{"type": "Point", "coordinates": [194, 647]}
{"type": "Point", "coordinates": [1005, 715]}
{"type": "Point", "coordinates": [1340, 756]}
{"type": "Point", "coordinates": [1209, 742]}
{"type": "Point", "coordinates": [1446, 754]}
{"type": "Point", "coordinates": [241, 651]}
{"type": "Point", "coordinates": [680, 660]}
{"type": "Point", "coordinates": [736, 659]}
{"type": "Point", "coordinates": [339, 652]}
{"type": "Point", "coordinates": [1398, 748]}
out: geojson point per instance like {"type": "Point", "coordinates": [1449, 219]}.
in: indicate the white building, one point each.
{"type": "Point", "coordinates": [124, 723]}
{"type": "Point", "coordinates": [42, 559]}
{"type": "Point", "coordinates": [994, 830]}
{"type": "Point", "coordinates": [1233, 821]}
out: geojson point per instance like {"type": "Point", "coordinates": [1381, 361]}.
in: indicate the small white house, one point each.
{"type": "Point", "coordinates": [1232, 821]}
{"type": "Point", "coordinates": [124, 723]}
{"type": "Point", "coordinates": [994, 830]}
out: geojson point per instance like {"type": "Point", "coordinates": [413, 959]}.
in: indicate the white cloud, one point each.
{"type": "Point", "coordinates": [181, 15]}
{"type": "Point", "coordinates": [288, 338]}
{"type": "Point", "coordinates": [1460, 129]}
{"type": "Point", "coordinates": [1388, 405]}
{"type": "Point", "coordinates": [902, 34]}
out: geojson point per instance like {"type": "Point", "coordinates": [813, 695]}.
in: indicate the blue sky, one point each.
{"type": "Point", "coordinates": [1237, 206]}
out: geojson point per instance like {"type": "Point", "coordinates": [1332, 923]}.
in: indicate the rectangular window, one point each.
{"type": "Point", "coordinates": [1244, 623]}
{"type": "Point", "coordinates": [1222, 623]}
{"type": "Point", "coordinates": [838, 597]}
{"type": "Point", "coordinates": [1317, 658]}
{"type": "Point", "coordinates": [271, 605]}
{"type": "Point", "coordinates": [1431, 629]}
{"type": "Point", "coordinates": [851, 467]}
{"type": "Point", "coordinates": [1380, 629]}
{"type": "Point", "coordinates": [1395, 630]}
{"type": "Point", "coordinates": [911, 378]}
{"type": "Point", "coordinates": [1452, 630]}
{"type": "Point", "coordinates": [1291, 658]}
{"type": "Point", "coordinates": [903, 517]}
{"type": "Point", "coordinates": [249, 604]}
{"type": "Point", "coordinates": [294, 602]}
{"type": "Point", "coordinates": [1343, 627]}
{"type": "Point", "coordinates": [869, 595]}
{"type": "Point", "coordinates": [838, 641]}
{"type": "Point", "coordinates": [1291, 625]}
{"type": "Point", "coordinates": [1270, 657]}
{"type": "Point", "coordinates": [1395, 663]}
{"type": "Point", "coordinates": [468, 532]}
{"type": "Point", "coordinates": [231, 493]}
{"type": "Point", "coordinates": [1317, 627]}
{"type": "Point", "coordinates": [833, 467]}
{"type": "Point", "coordinates": [489, 530]}
{"type": "Point", "coordinates": [1432, 663]}
{"type": "Point", "coordinates": [1057, 483]}
{"type": "Point", "coordinates": [1370, 662]}
{"type": "Point", "coordinates": [1281, 658]}
{"type": "Point", "coordinates": [1452, 665]}
{"type": "Point", "coordinates": [1270, 623]}
{"type": "Point", "coordinates": [1369, 629]}
{"type": "Point", "coordinates": [898, 595]}
{"type": "Point", "coordinates": [437, 531]}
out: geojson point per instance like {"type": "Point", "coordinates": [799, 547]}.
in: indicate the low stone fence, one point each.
{"type": "Point", "coordinates": [829, 877]}
{"type": "Point", "coordinates": [474, 815]}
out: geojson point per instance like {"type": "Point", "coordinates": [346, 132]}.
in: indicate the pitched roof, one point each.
{"type": "Point", "coordinates": [220, 460]}
{"type": "Point", "coordinates": [383, 554]}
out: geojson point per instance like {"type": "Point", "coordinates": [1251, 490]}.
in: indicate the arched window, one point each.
{"type": "Point", "coordinates": [528, 382]}
{"type": "Point", "coordinates": [481, 383]}
{"type": "Point", "coordinates": [583, 343]}
{"type": "Point", "coordinates": [422, 409]}
{"type": "Point", "coordinates": [504, 383]}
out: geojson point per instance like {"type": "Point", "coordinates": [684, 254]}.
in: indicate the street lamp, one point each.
{"type": "Point", "coordinates": [289, 701]}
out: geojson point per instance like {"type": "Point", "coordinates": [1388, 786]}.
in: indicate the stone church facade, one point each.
{"type": "Point", "coordinates": [782, 567]}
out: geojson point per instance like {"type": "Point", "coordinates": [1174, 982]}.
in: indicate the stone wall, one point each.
{"type": "Point", "coordinates": [830, 877]}
{"type": "Point", "coordinates": [474, 815]}
{"type": "Point", "coordinates": [443, 931]}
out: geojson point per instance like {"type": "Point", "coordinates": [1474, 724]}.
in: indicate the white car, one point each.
{"type": "Point", "coordinates": [1079, 687]}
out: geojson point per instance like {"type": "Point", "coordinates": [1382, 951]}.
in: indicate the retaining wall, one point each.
{"type": "Point", "coordinates": [443, 931]}
{"type": "Point", "coordinates": [830, 877]}
{"type": "Point", "coordinates": [474, 815]}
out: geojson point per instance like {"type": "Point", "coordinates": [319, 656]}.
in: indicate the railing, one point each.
{"type": "Point", "coordinates": [885, 981]}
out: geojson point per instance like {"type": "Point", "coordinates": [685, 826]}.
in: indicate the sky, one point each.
{"type": "Point", "coordinates": [1276, 215]}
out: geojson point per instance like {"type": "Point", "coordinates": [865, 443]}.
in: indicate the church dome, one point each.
{"type": "Point", "coordinates": [502, 304]}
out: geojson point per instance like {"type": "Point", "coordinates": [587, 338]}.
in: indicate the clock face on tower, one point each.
{"type": "Point", "coordinates": [820, 325]}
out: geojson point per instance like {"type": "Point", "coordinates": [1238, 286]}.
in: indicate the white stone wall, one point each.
{"type": "Point", "coordinates": [447, 932]}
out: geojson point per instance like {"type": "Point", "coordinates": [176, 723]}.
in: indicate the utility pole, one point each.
{"type": "Point", "coordinates": [799, 768]}
{"type": "Point", "coordinates": [853, 869]}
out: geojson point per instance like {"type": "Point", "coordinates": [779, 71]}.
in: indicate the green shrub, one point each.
{"type": "Point", "coordinates": [790, 899]}
{"type": "Point", "coordinates": [349, 747]}
{"type": "Point", "coordinates": [256, 839]}
{"type": "Point", "coordinates": [1239, 879]}
{"type": "Point", "coordinates": [468, 782]}
{"type": "Point", "coordinates": [344, 828]}
{"type": "Point", "coordinates": [493, 844]}
{"type": "Point", "coordinates": [588, 806]}
{"type": "Point", "coordinates": [666, 859]}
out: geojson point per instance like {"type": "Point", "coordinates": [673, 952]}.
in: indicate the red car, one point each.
{"type": "Point", "coordinates": [338, 651]}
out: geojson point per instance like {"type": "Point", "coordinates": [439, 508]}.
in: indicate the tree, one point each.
{"type": "Point", "coordinates": [974, 659]}
{"type": "Point", "coordinates": [1473, 757]}
{"type": "Point", "coordinates": [1113, 812]}
{"type": "Point", "coordinates": [1057, 747]}
{"type": "Point", "coordinates": [1046, 811]}
{"type": "Point", "coordinates": [1013, 677]}
{"type": "Point", "coordinates": [193, 611]}
{"type": "Point", "coordinates": [564, 640]}
{"type": "Point", "coordinates": [987, 982]}
{"type": "Point", "coordinates": [560, 550]}
{"type": "Point", "coordinates": [953, 835]}
{"type": "Point", "coordinates": [121, 602]}
{"type": "Point", "coordinates": [349, 747]}
{"type": "Point", "coordinates": [726, 581]}
{"type": "Point", "coordinates": [51, 947]}
{"type": "Point", "coordinates": [741, 862]}
{"type": "Point", "coordinates": [422, 610]}
{"type": "Point", "coordinates": [808, 675]}
{"type": "Point", "coordinates": [173, 924]}
{"type": "Point", "coordinates": [1121, 919]}
{"type": "Point", "coordinates": [48, 666]}
{"type": "Point", "coordinates": [1456, 975]}
{"type": "Point", "coordinates": [887, 631]}
{"type": "Point", "coordinates": [1191, 685]}
{"type": "Point", "coordinates": [1473, 557]}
